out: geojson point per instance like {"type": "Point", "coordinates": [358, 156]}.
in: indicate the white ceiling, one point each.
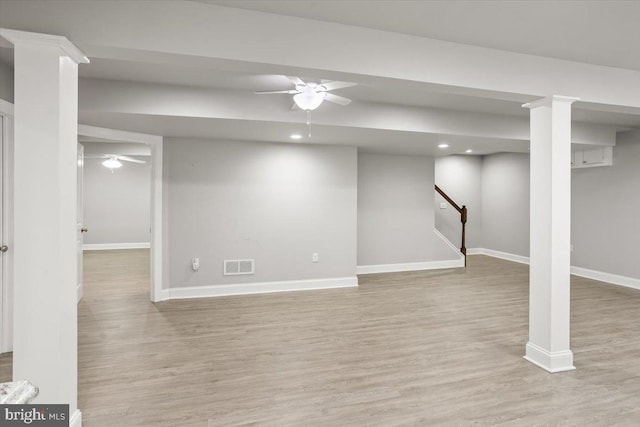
{"type": "Point", "coordinates": [595, 32]}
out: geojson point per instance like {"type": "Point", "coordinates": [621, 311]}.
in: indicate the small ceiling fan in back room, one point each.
{"type": "Point", "coordinates": [113, 161]}
{"type": "Point", "coordinates": [308, 96]}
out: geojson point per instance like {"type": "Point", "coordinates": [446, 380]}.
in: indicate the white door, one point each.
{"type": "Point", "coordinates": [80, 218]}
{"type": "Point", "coordinates": [3, 247]}
{"type": "Point", "coordinates": [6, 316]}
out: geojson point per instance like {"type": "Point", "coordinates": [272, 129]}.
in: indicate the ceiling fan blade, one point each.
{"type": "Point", "coordinates": [340, 100]}
{"type": "Point", "coordinates": [269, 92]}
{"type": "Point", "coordinates": [337, 85]}
{"type": "Point", "coordinates": [296, 80]}
{"type": "Point", "coordinates": [130, 159]}
{"type": "Point", "coordinates": [96, 156]}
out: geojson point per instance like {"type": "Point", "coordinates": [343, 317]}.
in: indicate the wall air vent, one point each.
{"type": "Point", "coordinates": [235, 267]}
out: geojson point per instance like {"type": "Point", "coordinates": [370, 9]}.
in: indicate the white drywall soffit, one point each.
{"type": "Point", "coordinates": [141, 31]}
{"type": "Point", "coordinates": [101, 98]}
{"type": "Point", "coordinates": [91, 147]}
{"type": "Point", "coordinates": [116, 135]}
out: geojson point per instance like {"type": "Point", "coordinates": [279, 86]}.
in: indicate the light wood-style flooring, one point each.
{"type": "Point", "coordinates": [412, 349]}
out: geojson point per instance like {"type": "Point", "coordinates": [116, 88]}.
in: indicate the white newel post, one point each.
{"type": "Point", "coordinates": [549, 276]}
{"type": "Point", "coordinates": [45, 253]}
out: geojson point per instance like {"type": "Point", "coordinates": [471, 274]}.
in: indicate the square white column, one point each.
{"type": "Point", "coordinates": [550, 238]}
{"type": "Point", "coordinates": [45, 253]}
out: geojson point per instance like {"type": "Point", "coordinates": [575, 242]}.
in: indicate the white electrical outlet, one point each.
{"type": "Point", "coordinates": [315, 257]}
{"type": "Point", "coordinates": [195, 264]}
{"type": "Point", "coordinates": [443, 205]}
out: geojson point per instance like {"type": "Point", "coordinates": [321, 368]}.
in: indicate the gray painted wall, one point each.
{"type": "Point", "coordinates": [117, 205]}
{"type": "Point", "coordinates": [461, 178]}
{"type": "Point", "coordinates": [505, 203]}
{"type": "Point", "coordinates": [275, 203]}
{"type": "Point", "coordinates": [395, 211]}
{"type": "Point", "coordinates": [605, 201]}
{"type": "Point", "coordinates": [605, 206]}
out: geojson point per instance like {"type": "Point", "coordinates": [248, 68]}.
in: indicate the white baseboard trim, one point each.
{"type": "Point", "coordinates": [557, 361]}
{"type": "Point", "coordinates": [164, 295]}
{"type": "Point", "coordinates": [410, 266]}
{"type": "Point", "coordinates": [601, 276]}
{"type": "Point", "coordinates": [259, 288]}
{"type": "Point", "coordinates": [110, 246]}
{"type": "Point", "coordinates": [475, 251]}
{"type": "Point", "coordinates": [76, 419]}
{"type": "Point", "coordinates": [497, 254]}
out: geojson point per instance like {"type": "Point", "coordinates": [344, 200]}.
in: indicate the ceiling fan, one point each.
{"type": "Point", "coordinates": [113, 161]}
{"type": "Point", "coordinates": [308, 96]}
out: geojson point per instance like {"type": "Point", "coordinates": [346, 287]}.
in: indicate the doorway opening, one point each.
{"type": "Point", "coordinates": [114, 210]}
{"type": "Point", "coordinates": [121, 194]}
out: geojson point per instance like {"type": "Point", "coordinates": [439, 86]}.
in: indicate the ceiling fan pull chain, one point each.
{"type": "Point", "coordinates": [309, 122]}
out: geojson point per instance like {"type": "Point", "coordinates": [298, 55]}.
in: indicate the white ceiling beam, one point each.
{"type": "Point", "coordinates": [180, 101]}
{"type": "Point", "coordinates": [207, 31]}
{"type": "Point", "coordinates": [96, 147]}
{"type": "Point", "coordinates": [88, 131]}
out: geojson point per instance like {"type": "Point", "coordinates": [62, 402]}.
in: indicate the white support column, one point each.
{"type": "Point", "coordinates": [549, 297]}
{"type": "Point", "coordinates": [45, 253]}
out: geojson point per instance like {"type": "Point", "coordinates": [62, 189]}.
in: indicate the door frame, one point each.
{"type": "Point", "coordinates": [155, 142]}
{"type": "Point", "coordinates": [6, 291]}
{"type": "Point", "coordinates": [80, 219]}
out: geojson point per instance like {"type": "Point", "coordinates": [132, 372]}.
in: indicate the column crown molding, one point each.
{"type": "Point", "coordinates": [548, 100]}
{"type": "Point", "coordinates": [67, 48]}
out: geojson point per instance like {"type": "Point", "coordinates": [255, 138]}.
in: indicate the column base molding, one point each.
{"type": "Point", "coordinates": [76, 419]}
{"type": "Point", "coordinates": [558, 361]}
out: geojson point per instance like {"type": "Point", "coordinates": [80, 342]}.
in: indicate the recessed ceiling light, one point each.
{"type": "Point", "coordinates": [469, 151]}
{"type": "Point", "coordinates": [443, 146]}
{"type": "Point", "coordinates": [295, 136]}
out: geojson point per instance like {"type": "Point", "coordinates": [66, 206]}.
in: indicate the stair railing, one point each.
{"type": "Point", "coordinates": [463, 219]}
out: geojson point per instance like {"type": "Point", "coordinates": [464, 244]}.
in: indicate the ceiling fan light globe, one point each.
{"type": "Point", "coordinates": [112, 163]}
{"type": "Point", "coordinates": [309, 100]}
